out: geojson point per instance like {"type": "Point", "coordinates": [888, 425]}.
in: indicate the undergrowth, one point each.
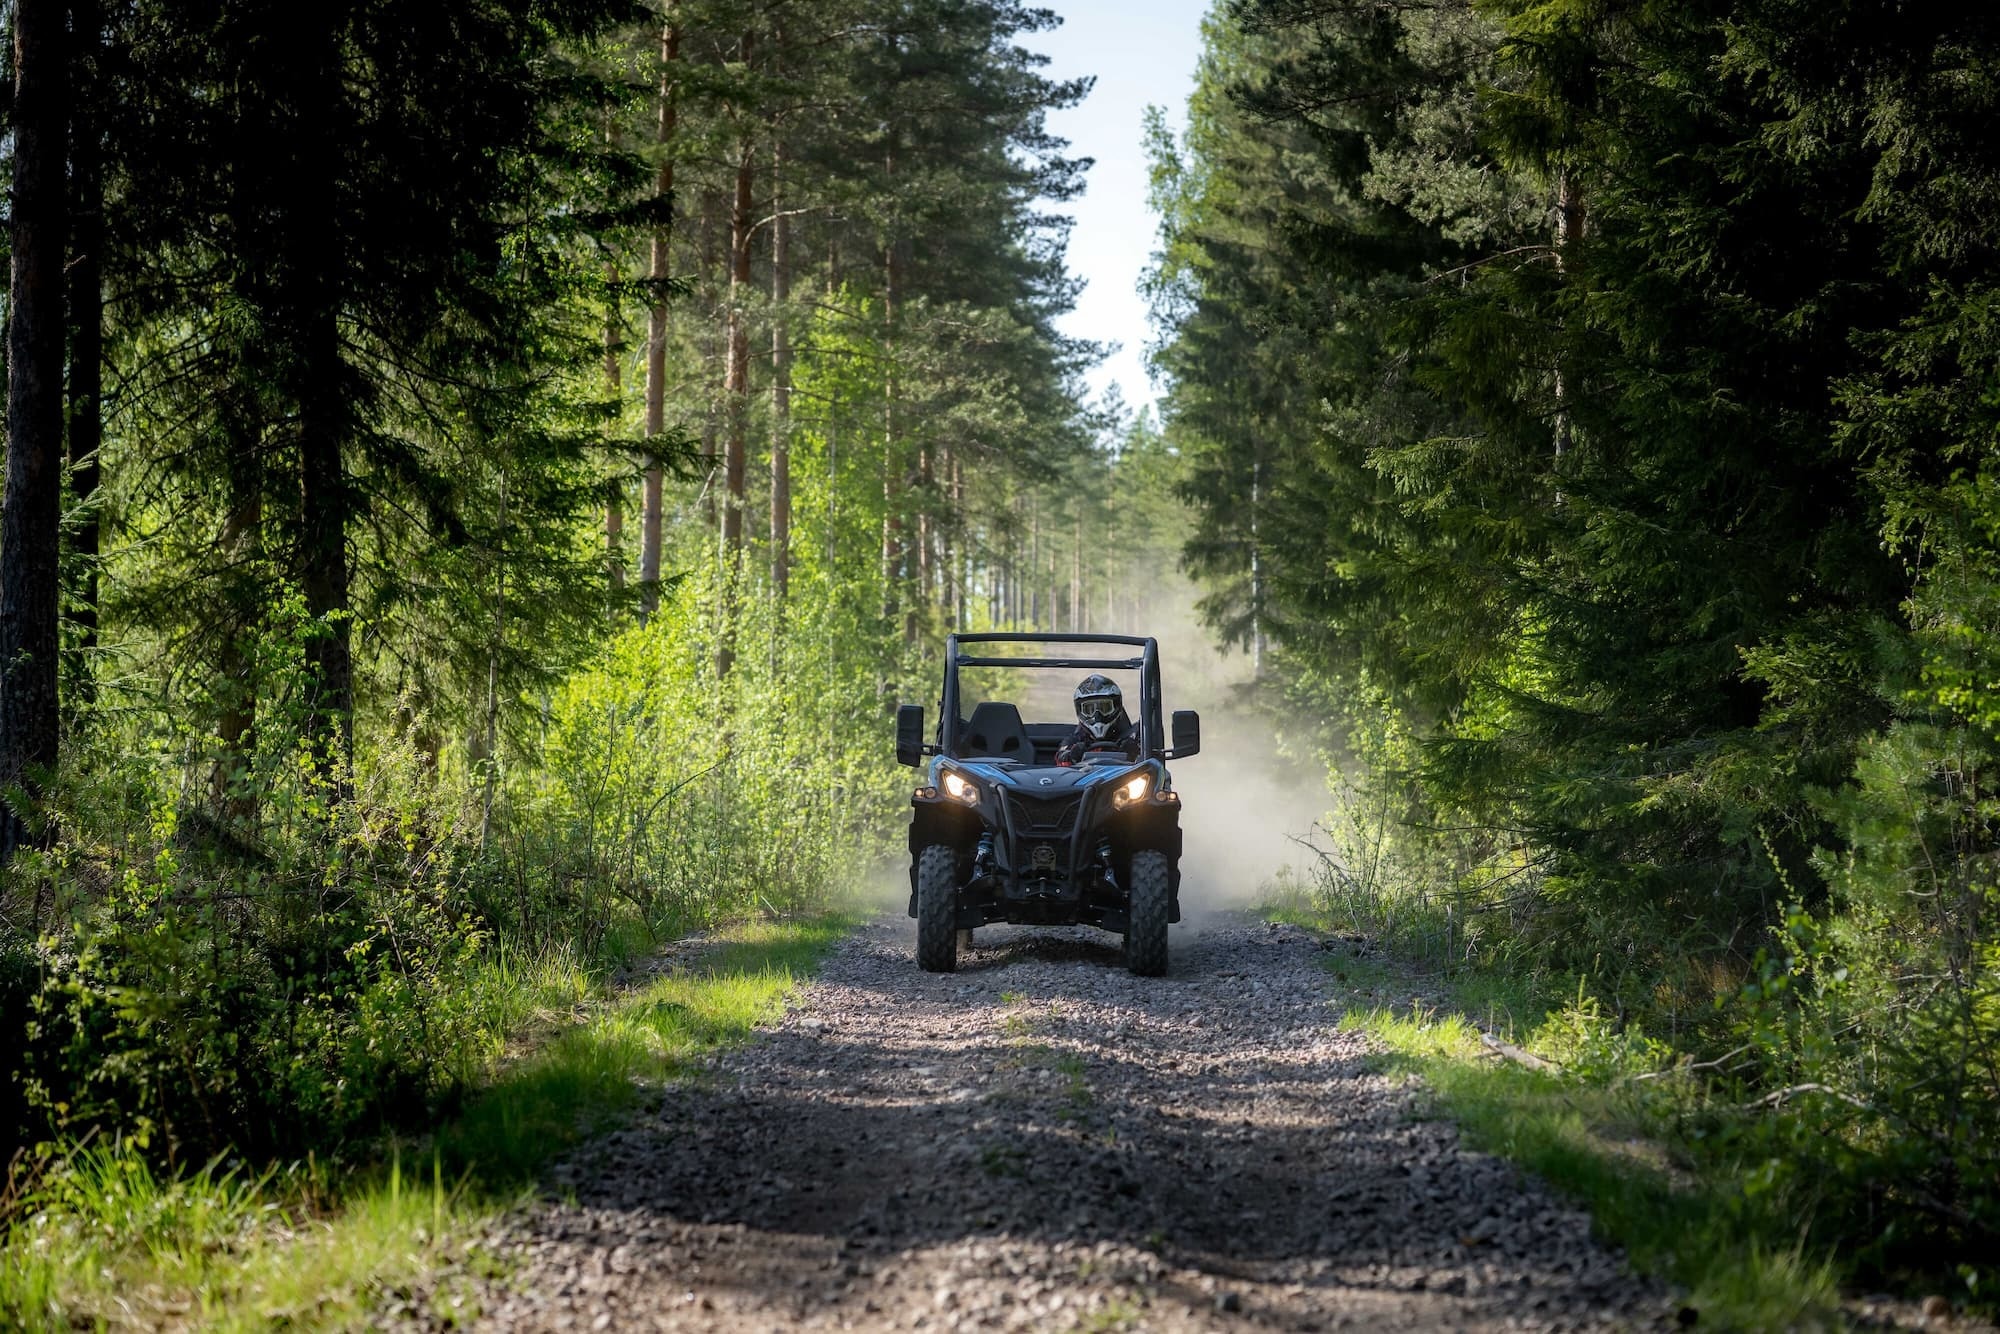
{"type": "Point", "coordinates": [101, 1238]}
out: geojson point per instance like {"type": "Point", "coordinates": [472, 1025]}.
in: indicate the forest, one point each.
{"type": "Point", "coordinates": [1592, 402]}
{"type": "Point", "coordinates": [439, 438]}
{"type": "Point", "coordinates": [480, 477]}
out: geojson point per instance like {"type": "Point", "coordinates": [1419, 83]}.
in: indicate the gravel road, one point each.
{"type": "Point", "coordinates": [1044, 1142]}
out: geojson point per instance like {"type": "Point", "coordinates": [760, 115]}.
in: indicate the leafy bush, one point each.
{"type": "Point", "coordinates": [302, 956]}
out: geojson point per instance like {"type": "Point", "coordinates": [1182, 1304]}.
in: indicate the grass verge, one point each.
{"type": "Point", "coordinates": [105, 1242]}
{"type": "Point", "coordinates": [1616, 1145]}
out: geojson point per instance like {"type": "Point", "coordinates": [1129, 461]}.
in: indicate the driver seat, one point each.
{"type": "Point", "coordinates": [994, 732]}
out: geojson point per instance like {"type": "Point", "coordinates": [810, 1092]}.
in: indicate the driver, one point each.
{"type": "Point", "coordinates": [1101, 722]}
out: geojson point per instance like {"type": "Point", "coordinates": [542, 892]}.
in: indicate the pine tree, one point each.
{"type": "Point", "coordinates": [30, 515]}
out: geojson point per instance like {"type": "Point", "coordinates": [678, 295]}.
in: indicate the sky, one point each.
{"type": "Point", "coordinates": [1142, 52]}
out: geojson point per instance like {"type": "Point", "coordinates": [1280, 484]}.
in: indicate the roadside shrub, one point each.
{"type": "Point", "coordinates": [267, 993]}
{"type": "Point", "coordinates": [661, 796]}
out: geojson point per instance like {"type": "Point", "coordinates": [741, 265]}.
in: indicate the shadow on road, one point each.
{"type": "Point", "coordinates": [1042, 1122]}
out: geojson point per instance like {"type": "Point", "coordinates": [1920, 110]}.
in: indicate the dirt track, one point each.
{"type": "Point", "coordinates": [1044, 1142]}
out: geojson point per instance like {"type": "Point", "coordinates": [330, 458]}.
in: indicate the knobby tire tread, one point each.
{"type": "Point", "coordinates": [1151, 902]}
{"type": "Point", "coordinates": [937, 909]}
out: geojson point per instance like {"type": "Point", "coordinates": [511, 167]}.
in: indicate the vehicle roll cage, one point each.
{"type": "Point", "coordinates": [1152, 729]}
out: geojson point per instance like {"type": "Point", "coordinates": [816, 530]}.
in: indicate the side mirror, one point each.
{"type": "Point", "coordinates": [1187, 733]}
{"type": "Point", "coordinates": [910, 735]}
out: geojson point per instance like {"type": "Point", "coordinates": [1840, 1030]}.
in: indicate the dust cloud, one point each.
{"type": "Point", "coordinates": [1244, 801]}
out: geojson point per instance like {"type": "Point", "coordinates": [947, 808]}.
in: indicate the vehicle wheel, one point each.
{"type": "Point", "coordinates": [937, 909]}
{"type": "Point", "coordinates": [1148, 906]}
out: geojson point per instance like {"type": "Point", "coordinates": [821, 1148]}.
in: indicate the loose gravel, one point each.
{"type": "Point", "coordinates": [1042, 1141]}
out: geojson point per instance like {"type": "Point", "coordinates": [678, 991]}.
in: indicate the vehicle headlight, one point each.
{"type": "Point", "coordinates": [1131, 789]}
{"type": "Point", "coordinates": [960, 788]}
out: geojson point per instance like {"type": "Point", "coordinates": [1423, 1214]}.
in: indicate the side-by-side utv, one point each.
{"type": "Point", "coordinates": [1002, 832]}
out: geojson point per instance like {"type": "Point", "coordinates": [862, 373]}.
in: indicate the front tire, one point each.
{"type": "Point", "coordinates": [1149, 905]}
{"type": "Point", "coordinates": [937, 909]}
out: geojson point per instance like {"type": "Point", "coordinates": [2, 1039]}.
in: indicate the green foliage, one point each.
{"type": "Point", "coordinates": [1594, 405]}
{"type": "Point", "coordinates": [586, 1075]}
{"type": "Point", "coordinates": [658, 796]}
{"type": "Point", "coordinates": [97, 1233]}
{"type": "Point", "coordinates": [376, 760]}
{"type": "Point", "coordinates": [367, 718]}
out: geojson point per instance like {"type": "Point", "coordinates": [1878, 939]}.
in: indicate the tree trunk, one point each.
{"type": "Point", "coordinates": [656, 320]}
{"type": "Point", "coordinates": [950, 553]}
{"type": "Point", "coordinates": [736, 395]}
{"type": "Point", "coordinates": [781, 383]}
{"type": "Point", "coordinates": [893, 555]}
{"type": "Point", "coordinates": [490, 734]}
{"type": "Point", "coordinates": [1256, 573]}
{"type": "Point", "coordinates": [1055, 600]}
{"type": "Point", "coordinates": [1569, 227]}
{"type": "Point", "coordinates": [925, 592]}
{"type": "Point", "coordinates": [325, 500]}
{"type": "Point", "coordinates": [308, 300]}
{"type": "Point", "coordinates": [1011, 573]}
{"type": "Point", "coordinates": [712, 355]}
{"type": "Point", "coordinates": [614, 386]}
{"type": "Point", "coordinates": [31, 511]}
{"type": "Point", "coordinates": [1076, 576]}
{"type": "Point", "coordinates": [86, 320]}
{"type": "Point", "coordinates": [1032, 588]}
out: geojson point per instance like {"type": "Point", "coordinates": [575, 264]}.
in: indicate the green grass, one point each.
{"type": "Point", "coordinates": [589, 1074]}
{"type": "Point", "coordinates": [1606, 1144]}
{"type": "Point", "coordinates": [103, 1241]}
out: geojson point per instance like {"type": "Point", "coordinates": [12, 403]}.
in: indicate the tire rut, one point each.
{"type": "Point", "coordinates": [1042, 1141]}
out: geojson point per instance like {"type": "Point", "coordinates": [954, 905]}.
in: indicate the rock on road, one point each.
{"type": "Point", "coordinates": [1043, 1142]}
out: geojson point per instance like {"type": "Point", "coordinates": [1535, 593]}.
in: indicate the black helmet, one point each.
{"type": "Point", "coordinates": [1100, 706]}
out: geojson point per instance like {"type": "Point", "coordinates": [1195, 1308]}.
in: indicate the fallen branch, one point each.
{"type": "Point", "coordinates": [1777, 1097]}
{"type": "Point", "coordinates": [1691, 1067]}
{"type": "Point", "coordinates": [1515, 1054]}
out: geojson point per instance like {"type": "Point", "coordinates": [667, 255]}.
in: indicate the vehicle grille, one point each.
{"type": "Point", "coordinates": [1046, 817]}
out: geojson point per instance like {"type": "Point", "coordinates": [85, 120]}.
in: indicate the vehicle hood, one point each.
{"type": "Point", "coordinates": [1045, 781]}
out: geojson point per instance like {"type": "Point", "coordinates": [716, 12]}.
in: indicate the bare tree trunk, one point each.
{"type": "Point", "coordinates": [325, 500]}
{"type": "Point", "coordinates": [1016, 603]}
{"type": "Point", "coordinates": [893, 556]}
{"type": "Point", "coordinates": [781, 383]}
{"type": "Point", "coordinates": [316, 384]}
{"type": "Point", "coordinates": [1569, 227]}
{"type": "Point", "coordinates": [1076, 576]}
{"type": "Point", "coordinates": [951, 553]}
{"type": "Point", "coordinates": [713, 354]}
{"type": "Point", "coordinates": [659, 270]}
{"type": "Point", "coordinates": [1256, 573]}
{"type": "Point", "coordinates": [614, 385]}
{"type": "Point", "coordinates": [935, 575]}
{"type": "Point", "coordinates": [1055, 595]}
{"type": "Point", "coordinates": [1033, 589]}
{"type": "Point", "coordinates": [31, 511]}
{"type": "Point", "coordinates": [736, 393]}
{"type": "Point", "coordinates": [86, 321]}
{"type": "Point", "coordinates": [490, 745]}
{"type": "Point", "coordinates": [925, 592]}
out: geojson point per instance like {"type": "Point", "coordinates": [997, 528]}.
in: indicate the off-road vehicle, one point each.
{"type": "Point", "coordinates": [1001, 832]}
